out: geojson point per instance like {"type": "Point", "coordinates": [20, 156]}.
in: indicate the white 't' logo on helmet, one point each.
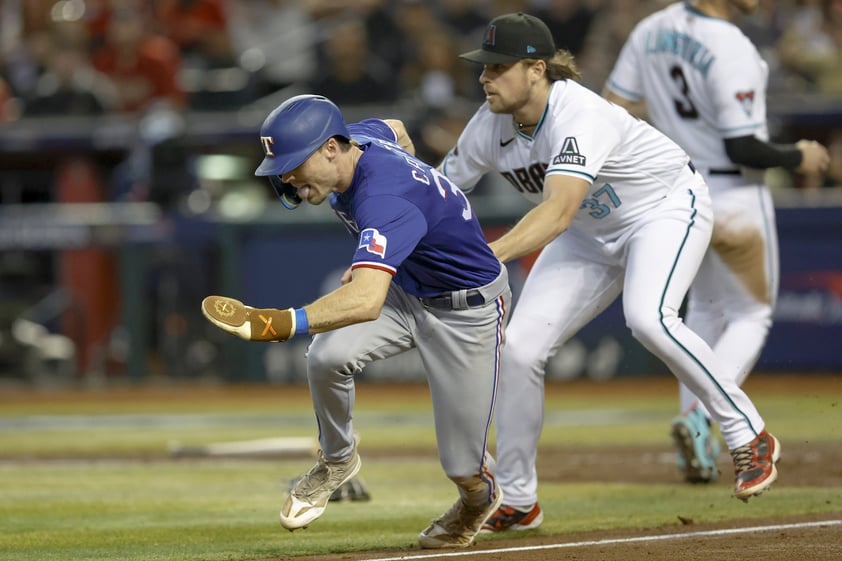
{"type": "Point", "coordinates": [267, 142]}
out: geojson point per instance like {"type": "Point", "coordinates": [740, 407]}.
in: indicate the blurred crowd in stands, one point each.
{"type": "Point", "coordinates": [94, 57]}
{"type": "Point", "coordinates": [152, 59]}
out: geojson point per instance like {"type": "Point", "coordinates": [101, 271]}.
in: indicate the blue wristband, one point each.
{"type": "Point", "coordinates": [301, 323]}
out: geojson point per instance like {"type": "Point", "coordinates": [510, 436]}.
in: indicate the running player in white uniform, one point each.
{"type": "Point", "coordinates": [704, 86]}
{"type": "Point", "coordinates": [619, 209]}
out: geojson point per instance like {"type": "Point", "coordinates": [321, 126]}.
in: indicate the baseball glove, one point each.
{"type": "Point", "coordinates": [251, 324]}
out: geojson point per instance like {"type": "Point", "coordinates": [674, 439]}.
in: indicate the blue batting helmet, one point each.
{"type": "Point", "coordinates": [296, 129]}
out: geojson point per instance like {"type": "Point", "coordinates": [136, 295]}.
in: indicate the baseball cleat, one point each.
{"type": "Point", "coordinates": [459, 526]}
{"type": "Point", "coordinates": [754, 466]}
{"type": "Point", "coordinates": [511, 518]}
{"type": "Point", "coordinates": [353, 490]}
{"type": "Point", "coordinates": [251, 324]}
{"type": "Point", "coordinates": [697, 447]}
{"type": "Point", "coordinates": [308, 499]}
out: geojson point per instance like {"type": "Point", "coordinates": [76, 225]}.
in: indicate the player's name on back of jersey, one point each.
{"type": "Point", "coordinates": [680, 44]}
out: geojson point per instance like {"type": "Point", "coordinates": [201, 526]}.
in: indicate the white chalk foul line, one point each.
{"type": "Point", "coordinates": [665, 537]}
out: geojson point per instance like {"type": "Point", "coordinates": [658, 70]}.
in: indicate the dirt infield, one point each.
{"type": "Point", "coordinates": [803, 539]}
{"type": "Point", "coordinates": [771, 539]}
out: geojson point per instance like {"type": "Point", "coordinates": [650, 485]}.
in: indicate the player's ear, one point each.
{"type": "Point", "coordinates": [536, 70]}
{"type": "Point", "coordinates": [330, 148]}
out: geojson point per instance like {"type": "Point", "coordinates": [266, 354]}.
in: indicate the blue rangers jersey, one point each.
{"type": "Point", "coordinates": [411, 220]}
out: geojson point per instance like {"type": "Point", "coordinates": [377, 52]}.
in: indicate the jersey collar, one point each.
{"type": "Point", "coordinates": [694, 10]}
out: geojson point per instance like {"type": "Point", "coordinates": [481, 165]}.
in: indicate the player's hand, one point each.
{"type": "Point", "coordinates": [346, 276]}
{"type": "Point", "coordinates": [814, 157]}
{"type": "Point", "coordinates": [251, 324]}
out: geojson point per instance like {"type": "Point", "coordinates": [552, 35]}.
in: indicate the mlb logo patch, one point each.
{"type": "Point", "coordinates": [373, 242]}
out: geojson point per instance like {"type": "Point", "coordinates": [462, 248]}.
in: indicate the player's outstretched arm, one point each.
{"type": "Point", "coordinates": [563, 196]}
{"type": "Point", "coordinates": [356, 301]}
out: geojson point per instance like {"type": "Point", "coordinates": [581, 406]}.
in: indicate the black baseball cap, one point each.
{"type": "Point", "coordinates": [512, 37]}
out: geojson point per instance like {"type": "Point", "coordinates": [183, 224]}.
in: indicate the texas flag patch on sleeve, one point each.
{"type": "Point", "coordinates": [373, 242]}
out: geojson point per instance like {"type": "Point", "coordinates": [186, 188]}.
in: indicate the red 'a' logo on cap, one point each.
{"type": "Point", "coordinates": [489, 38]}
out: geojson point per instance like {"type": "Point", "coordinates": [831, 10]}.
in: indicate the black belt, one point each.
{"type": "Point", "coordinates": [714, 171]}
{"type": "Point", "coordinates": [445, 301]}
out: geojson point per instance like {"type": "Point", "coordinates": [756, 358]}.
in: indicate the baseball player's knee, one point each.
{"type": "Point", "coordinates": [651, 331]}
{"type": "Point", "coordinates": [521, 360]}
{"type": "Point", "coordinates": [754, 311]}
{"type": "Point", "coordinates": [758, 318]}
{"type": "Point", "coordinates": [521, 349]}
{"type": "Point", "coordinates": [327, 361]}
{"type": "Point", "coordinates": [763, 315]}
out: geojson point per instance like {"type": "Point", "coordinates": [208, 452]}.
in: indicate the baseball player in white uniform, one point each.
{"type": "Point", "coordinates": [619, 208]}
{"type": "Point", "coordinates": [704, 86]}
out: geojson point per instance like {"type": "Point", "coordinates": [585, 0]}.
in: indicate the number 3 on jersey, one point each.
{"type": "Point", "coordinates": [443, 185]}
{"type": "Point", "coordinates": [600, 209]}
{"type": "Point", "coordinates": [684, 107]}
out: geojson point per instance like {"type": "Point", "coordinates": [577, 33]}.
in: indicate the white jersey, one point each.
{"type": "Point", "coordinates": [703, 79]}
{"type": "Point", "coordinates": [630, 165]}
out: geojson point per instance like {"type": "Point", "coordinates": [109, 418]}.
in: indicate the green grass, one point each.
{"type": "Point", "coordinates": [103, 489]}
{"type": "Point", "coordinates": [570, 420]}
{"type": "Point", "coordinates": [227, 510]}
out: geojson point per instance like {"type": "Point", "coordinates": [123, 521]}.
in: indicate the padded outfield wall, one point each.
{"type": "Point", "coordinates": [806, 334]}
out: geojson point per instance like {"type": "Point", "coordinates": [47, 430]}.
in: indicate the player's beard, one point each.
{"type": "Point", "coordinates": [502, 106]}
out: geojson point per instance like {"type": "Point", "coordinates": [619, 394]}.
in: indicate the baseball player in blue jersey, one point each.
{"type": "Point", "coordinates": [619, 209]}
{"type": "Point", "coordinates": [422, 277]}
{"type": "Point", "coordinates": [704, 86]}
